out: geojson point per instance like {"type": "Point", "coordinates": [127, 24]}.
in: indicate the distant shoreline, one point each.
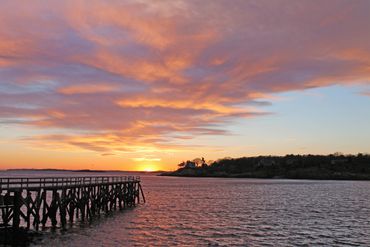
{"type": "Point", "coordinates": [69, 170]}
{"type": "Point", "coordinates": [315, 167]}
{"type": "Point", "coordinates": [53, 170]}
{"type": "Point", "coordinates": [170, 174]}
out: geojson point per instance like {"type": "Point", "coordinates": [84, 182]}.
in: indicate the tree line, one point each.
{"type": "Point", "coordinates": [333, 166]}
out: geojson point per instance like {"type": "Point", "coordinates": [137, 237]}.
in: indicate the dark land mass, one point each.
{"type": "Point", "coordinates": [54, 170]}
{"type": "Point", "coordinates": [82, 170]}
{"type": "Point", "coordinates": [331, 167]}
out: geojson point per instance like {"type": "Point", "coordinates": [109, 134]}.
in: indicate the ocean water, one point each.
{"type": "Point", "coordinates": [230, 212]}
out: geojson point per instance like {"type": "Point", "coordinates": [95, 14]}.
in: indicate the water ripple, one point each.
{"type": "Point", "coordinates": [233, 212]}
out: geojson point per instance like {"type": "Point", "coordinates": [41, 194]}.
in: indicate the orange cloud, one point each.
{"type": "Point", "coordinates": [87, 89]}
{"type": "Point", "coordinates": [146, 159]}
{"type": "Point", "coordinates": [139, 76]}
{"type": "Point", "coordinates": [180, 104]}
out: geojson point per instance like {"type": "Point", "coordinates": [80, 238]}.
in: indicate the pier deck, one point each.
{"type": "Point", "coordinates": [34, 202]}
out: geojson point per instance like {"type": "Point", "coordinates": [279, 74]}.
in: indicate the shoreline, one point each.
{"type": "Point", "coordinates": [313, 167]}
{"type": "Point", "coordinates": [270, 178]}
{"type": "Point", "coordinates": [167, 174]}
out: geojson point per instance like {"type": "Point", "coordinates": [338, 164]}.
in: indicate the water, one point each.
{"type": "Point", "coordinates": [232, 212]}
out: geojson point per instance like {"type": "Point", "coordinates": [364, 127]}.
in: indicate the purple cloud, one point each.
{"type": "Point", "coordinates": [134, 73]}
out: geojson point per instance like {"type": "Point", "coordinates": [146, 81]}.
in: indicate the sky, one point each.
{"type": "Point", "coordinates": [144, 85]}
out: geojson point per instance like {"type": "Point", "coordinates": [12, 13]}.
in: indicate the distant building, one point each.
{"type": "Point", "coordinates": [190, 164]}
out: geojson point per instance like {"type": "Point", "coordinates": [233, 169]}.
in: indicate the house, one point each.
{"type": "Point", "coordinates": [190, 164]}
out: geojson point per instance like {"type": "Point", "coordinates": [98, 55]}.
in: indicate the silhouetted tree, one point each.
{"type": "Point", "coordinates": [197, 161]}
{"type": "Point", "coordinates": [334, 166]}
{"type": "Point", "coordinates": [182, 164]}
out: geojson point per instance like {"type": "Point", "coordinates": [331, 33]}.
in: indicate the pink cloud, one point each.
{"type": "Point", "coordinates": [141, 73]}
{"type": "Point", "coordinates": [366, 93]}
{"type": "Point", "coordinates": [87, 89]}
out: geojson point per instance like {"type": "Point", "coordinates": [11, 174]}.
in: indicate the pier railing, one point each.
{"type": "Point", "coordinates": [35, 201]}
{"type": "Point", "coordinates": [60, 182]}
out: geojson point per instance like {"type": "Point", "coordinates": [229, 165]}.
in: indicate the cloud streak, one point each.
{"type": "Point", "coordinates": [121, 75]}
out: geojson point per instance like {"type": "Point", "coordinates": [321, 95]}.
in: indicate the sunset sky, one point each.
{"type": "Point", "coordinates": [143, 85]}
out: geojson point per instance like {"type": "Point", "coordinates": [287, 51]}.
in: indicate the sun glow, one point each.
{"type": "Point", "coordinates": [149, 168]}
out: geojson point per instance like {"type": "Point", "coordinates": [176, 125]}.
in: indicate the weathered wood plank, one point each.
{"type": "Point", "coordinates": [56, 200]}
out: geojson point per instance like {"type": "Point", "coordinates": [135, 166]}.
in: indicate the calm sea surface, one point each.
{"type": "Point", "coordinates": [230, 212]}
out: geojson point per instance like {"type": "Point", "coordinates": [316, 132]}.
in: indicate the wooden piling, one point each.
{"type": "Point", "coordinates": [31, 202]}
{"type": "Point", "coordinates": [16, 209]}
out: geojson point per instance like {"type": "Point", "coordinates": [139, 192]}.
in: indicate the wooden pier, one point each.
{"type": "Point", "coordinates": [35, 202]}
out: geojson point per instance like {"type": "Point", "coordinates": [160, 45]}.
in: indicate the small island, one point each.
{"type": "Point", "coordinates": [334, 166]}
